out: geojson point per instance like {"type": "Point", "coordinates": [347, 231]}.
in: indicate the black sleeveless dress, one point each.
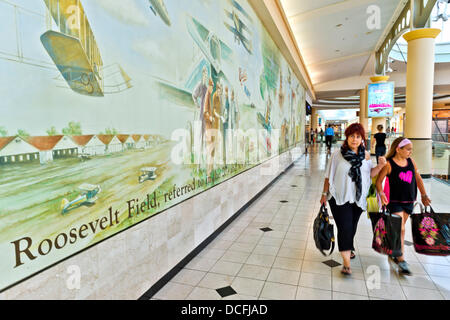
{"type": "Point", "coordinates": [402, 187]}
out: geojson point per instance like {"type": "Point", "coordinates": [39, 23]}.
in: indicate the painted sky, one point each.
{"type": "Point", "coordinates": [127, 33]}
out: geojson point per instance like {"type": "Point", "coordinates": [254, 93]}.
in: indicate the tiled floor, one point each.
{"type": "Point", "coordinates": [283, 263]}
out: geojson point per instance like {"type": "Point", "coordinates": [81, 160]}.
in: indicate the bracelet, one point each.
{"type": "Point", "coordinates": [324, 193]}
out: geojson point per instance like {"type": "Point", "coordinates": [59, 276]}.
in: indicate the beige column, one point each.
{"type": "Point", "coordinates": [419, 95]}
{"type": "Point", "coordinates": [363, 120]}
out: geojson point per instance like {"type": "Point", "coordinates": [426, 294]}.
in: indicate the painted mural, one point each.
{"type": "Point", "coordinates": [112, 111]}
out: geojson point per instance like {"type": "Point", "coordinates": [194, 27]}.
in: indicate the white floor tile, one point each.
{"type": "Point", "coordinates": [261, 260]}
{"type": "Point", "coordinates": [312, 294]}
{"type": "Point", "coordinates": [278, 291]}
{"type": "Point", "coordinates": [346, 296]}
{"type": "Point", "coordinates": [349, 285]}
{"type": "Point", "coordinates": [422, 294]}
{"type": "Point", "coordinates": [254, 272]}
{"type": "Point", "coordinates": [225, 267]}
{"type": "Point", "coordinates": [174, 291]}
{"type": "Point", "coordinates": [248, 287]}
{"type": "Point", "coordinates": [201, 264]}
{"type": "Point", "coordinates": [235, 256]}
{"type": "Point", "coordinates": [388, 292]}
{"type": "Point", "coordinates": [314, 280]}
{"type": "Point", "coordinates": [288, 263]}
{"type": "Point", "coordinates": [203, 294]}
{"type": "Point", "coordinates": [190, 277]}
{"type": "Point", "coordinates": [215, 281]}
{"type": "Point", "coordinates": [283, 276]}
{"type": "Point", "coordinates": [418, 281]}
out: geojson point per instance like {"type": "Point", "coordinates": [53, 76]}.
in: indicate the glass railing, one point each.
{"type": "Point", "coordinates": [441, 160]}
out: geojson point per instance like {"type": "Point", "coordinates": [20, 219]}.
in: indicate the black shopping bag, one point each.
{"type": "Point", "coordinates": [431, 232]}
{"type": "Point", "coordinates": [323, 231]}
{"type": "Point", "coordinates": [387, 230]}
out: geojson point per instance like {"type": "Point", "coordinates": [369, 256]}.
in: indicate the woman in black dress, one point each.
{"type": "Point", "coordinates": [380, 147]}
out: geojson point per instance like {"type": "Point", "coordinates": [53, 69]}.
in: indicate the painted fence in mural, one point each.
{"type": "Point", "coordinates": [112, 111]}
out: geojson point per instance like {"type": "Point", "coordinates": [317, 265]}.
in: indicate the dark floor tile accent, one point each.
{"type": "Point", "coordinates": [331, 263]}
{"type": "Point", "coordinates": [294, 186]}
{"type": "Point", "coordinates": [226, 291]}
{"type": "Point", "coordinates": [266, 229]}
{"type": "Point", "coordinates": [283, 201]}
{"type": "Point", "coordinates": [408, 243]}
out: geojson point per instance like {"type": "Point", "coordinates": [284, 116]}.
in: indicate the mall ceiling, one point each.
{"type": "Point", "coordinates": [337, 37]}
{"type": "Point", "coordinates": [337, 40]}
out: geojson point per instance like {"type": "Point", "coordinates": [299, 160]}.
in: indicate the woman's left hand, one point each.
{"type": "Point", "coordinates": [426, 201]}
{"type": "Point", "coordinates": [381, 161]}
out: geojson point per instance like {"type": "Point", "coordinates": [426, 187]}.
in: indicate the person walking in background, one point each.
{"type": "Point", "coordinates": [347, 181]}
{"type": "Point", "coordinates": [329, 134]}
{"type": "Point", "coordinates": [380, 137]}
{"type": "Point", "coordinates": [321, 135]}
{"type": "Point", "coordinates": [311, 133]}
{"type": "Point", "coordinates": [403, 180]}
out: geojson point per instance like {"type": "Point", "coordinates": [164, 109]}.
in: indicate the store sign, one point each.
{"type": "Point", "coordinates": [380, 99]}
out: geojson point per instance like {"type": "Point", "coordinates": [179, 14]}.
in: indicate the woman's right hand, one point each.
{"type": "Point", "coordinates": [323, 200]}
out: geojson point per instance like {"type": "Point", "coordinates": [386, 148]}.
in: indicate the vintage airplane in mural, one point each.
{"type": "Point", "coordinates": [159, 8]}
{"type": "Point", "coordinates": [72, 49]}
{"type": "Point", "coordinates": [214, 49]}
{"type": "Point", "coordinates": [239, 27]}
{"type": "Point", "coordinates": [88, 196]}
{"type": "Point", "coordinates": [147, 173]}
{"type": "Point", "coordinates": [216, 58]}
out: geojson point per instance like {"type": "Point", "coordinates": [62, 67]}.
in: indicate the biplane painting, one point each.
{"type": "Point", "coordinates": [92, 94]}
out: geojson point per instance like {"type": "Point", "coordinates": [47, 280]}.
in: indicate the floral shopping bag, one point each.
{"type": "Point", "coordinates": [431, 232]}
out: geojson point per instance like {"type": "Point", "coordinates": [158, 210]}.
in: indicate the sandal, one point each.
{"type": "Point", "coordinates": [346, 270]}
{"type": "Point", "coordinates": [352, 255]}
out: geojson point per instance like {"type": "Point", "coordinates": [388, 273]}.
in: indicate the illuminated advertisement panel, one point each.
{"type": "Point", "coordinates": [380, 100]}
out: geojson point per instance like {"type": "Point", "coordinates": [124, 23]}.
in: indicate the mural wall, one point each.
{"type": "Point", "coordinates": [112, 111]}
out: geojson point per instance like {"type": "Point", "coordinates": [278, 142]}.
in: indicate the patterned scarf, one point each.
{"type": "Point", "coordinates": [355, 161]}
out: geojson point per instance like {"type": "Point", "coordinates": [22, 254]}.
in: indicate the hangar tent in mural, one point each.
{"type": "Point", "coordinates": [93, 93]}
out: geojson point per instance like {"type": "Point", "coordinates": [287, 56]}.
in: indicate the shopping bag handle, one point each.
{"type": "Point", "coordinates": [431, 209]}
{"type": "Point", "coordinates": [421, 206]}
{"type": "Point", "coordinates": [385, 210]}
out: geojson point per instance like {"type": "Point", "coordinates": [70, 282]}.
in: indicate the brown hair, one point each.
{"type": "Point", "coordinates": [393, 149]}
{"type": "Point", "coordinates": [354, 128]}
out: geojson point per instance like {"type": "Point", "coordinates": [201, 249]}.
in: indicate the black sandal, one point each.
{"type": "Point", "coordinates": [352, 255]}
{"type": "Point", "coordinates": [346, 270]}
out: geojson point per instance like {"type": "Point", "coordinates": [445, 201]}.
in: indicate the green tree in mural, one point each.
{"type": "Point", "coordinates": [3, 132]}
{"type": "Point", "coordinates": [52, 131]}
{"type": "Point", "coordinates": [73, 129]}
{"type": "Point", "coordinates": [22, 133]}
{"type": "Point", "coordinates": [112, 131]}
